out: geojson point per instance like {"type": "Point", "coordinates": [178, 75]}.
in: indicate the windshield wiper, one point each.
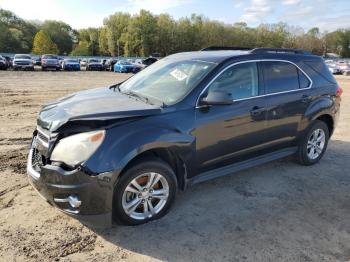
{"type": "Point", "coordinates": [134, 94]}
{"type": "Point", "coordinates": [116, 86]}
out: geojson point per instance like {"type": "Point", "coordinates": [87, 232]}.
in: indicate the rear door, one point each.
{"type": "Point", "coordinates": [288, 95]}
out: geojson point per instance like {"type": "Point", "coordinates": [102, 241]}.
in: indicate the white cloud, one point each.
{"type": "Point", "coordinates": [290, 2]}
{"type": "Point", "coordinates": [256, 11]}
{"type": "Point", "coordinates": [155, 6]}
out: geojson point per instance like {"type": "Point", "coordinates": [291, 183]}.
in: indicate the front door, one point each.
{"type": "Point", "coordinates": [228, 133]}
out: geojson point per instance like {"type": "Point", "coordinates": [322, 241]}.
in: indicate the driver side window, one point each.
{"type": "Point", "coordinates": [241, 81]}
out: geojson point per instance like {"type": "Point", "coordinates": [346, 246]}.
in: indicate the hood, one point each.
{"type": "Point", "coordinates": [50, 60]}
{"type": "Point", "coordinates": [90, 105]}
{"type": "Point", "coordinates": [22, 60]}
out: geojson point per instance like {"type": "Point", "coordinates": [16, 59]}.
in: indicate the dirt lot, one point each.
{"type": "Point", "coordinates": [277, 212]}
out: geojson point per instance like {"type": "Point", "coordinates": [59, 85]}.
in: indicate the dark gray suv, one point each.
{"type": "Point", "coordinates": [123, 151]}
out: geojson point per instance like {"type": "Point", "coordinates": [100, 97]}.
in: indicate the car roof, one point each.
{"type": "Point", "coordinates": [209, 56]}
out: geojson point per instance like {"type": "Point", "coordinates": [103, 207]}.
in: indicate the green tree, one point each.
{"type": "Point", "coordinates": [16, 34]}
{"type": "Point", "coordinates": [116, 27]}
{"type": "Point", "coordinates": [61, 33]}
{"type": "Point", "coordinates": [82, 49]}
{"type": "Point", "coordinates": [90, 36]}
{"type": "Point", "coordinates": [43, 44]}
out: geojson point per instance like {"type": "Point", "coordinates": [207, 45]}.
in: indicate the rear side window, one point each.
{"type": "Point", "coordinates": [304, 82]}
{"type": "Point", "coordinates": [241, 81]}
{"type": "Point", "coordinates": [280, 76]}
{"type": "Point", "coordinates": [321, 69]}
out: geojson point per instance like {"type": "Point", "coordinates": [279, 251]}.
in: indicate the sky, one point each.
{"type": "Point", "coordinates": [328, 15]}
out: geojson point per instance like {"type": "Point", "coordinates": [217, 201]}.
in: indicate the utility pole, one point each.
{"type": "Point", "coordinates": [118, 47]}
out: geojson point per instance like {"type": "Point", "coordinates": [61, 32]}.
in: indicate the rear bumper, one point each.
{"type": "Point", "coordinates": [93, 194]}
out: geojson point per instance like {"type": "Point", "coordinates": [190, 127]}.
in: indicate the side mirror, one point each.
{"type": "Point", "coordinates": [217, 98]}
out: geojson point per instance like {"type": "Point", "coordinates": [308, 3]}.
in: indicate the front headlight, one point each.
{"type": "Point", "coordinates": [75, 149]}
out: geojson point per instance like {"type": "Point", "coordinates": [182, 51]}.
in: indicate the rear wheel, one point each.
{"type": "Point", "coordinates": [145, 192]}
{"type": "Point", "coordinates": [314, 144]}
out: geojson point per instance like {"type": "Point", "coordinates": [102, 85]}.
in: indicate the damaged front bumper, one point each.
{"type": "Point", "coordinates": [85, 197]}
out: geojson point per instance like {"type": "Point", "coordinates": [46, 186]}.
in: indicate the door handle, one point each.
{"type": "Point", "coordinates": [257, 110]}
{"type": "Point", "coordinates": [305, 98]}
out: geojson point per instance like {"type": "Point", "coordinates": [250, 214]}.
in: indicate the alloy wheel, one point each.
{"type": "Point", "coordinates": [145, 196]}
{"type": "Point", "coordinates": [316, 143]}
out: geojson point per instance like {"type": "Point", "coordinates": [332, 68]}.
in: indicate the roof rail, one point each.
{"type": "Point", "coordinates": [279, 50]}
{"type": "Point", "coordinates": [218, 48]}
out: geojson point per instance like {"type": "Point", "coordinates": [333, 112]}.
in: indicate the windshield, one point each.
{"type": "Point", "coordinates": [22, 57]}
{"type": "Point", "coordinates": [49, 57]}
{"type": "Point", "coordinates": [168, 80]}
{"type": "Point", "coordinates": [124, 63]}
{"type": "Point", "coordinates": [94, 61]}
{"type": "Point", "coordinates": [71, 61]}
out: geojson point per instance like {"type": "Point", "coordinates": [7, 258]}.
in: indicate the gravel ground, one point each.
{"type": "Point", "coordinates": [276, 212]}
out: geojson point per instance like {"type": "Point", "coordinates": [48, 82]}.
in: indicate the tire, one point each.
{"type": "Point", "coordinates": [139, 171]}
{"type": "Point", "coordinates": [303, 155]}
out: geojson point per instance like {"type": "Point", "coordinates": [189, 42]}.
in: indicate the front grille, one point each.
{"type": "Point", "coordinates": [37, 160]}
{"type": "Point", "coordinates": [42, 136]}
{"type": "Point", "coordinates": [22, 63]}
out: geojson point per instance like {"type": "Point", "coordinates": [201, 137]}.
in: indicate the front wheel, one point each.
{"type": "Point", "coordinates": [144, 192]}
{"type": "Point", "coordinates": [314, 144]}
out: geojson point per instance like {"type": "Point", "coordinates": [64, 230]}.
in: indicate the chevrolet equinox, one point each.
{"type": "Point", "coordinates": [121, 152]}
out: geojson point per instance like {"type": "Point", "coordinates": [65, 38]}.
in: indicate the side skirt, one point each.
{"type": "Point", "coordinates": [233, 168]}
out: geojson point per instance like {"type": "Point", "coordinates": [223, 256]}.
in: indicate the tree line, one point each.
{"type": "Point", "coordinates": [145, 34]}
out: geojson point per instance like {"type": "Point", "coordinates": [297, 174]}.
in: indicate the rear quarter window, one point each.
{"type": "Point", "coordinates": [320, 72]}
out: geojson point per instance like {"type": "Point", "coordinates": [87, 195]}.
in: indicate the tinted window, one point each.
{"type": "Point", "coordinates": [304, 82]}
{"type": "Point", "coordinates": [241, 81]}
{"type": "Point", "coordinates": [280, 76]}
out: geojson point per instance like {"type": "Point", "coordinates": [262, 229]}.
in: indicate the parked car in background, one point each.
{"type": "Point", "coordinates": [343, 66]}
{"type": "Point", "coordinates": [104, 64]}
{"type": "Point", "coordinates": [3, 63]}
{"type": "Point", "coordinates": [22, 61]}
{"type": "Point", "coordinates": [123, 151]}
{"type": "Point", "coordinates": [71, 64]}
{"type": "Point", "coordinates": [143, 63]}
{"type": "Point", "coordinates": [37, 61]}
{"type": "Point", "coordinates": [83, 62]}
{"type": "Point", "coordinates": [335, 70]}
{"type": "Point", "coordinates": [8, 61]}
{"type": "Point", "coordinates": [150, 60]}
{"type": "Point", "coordinates": [110, 64]}
{"type": "Point", "coordinates": [60, 61]}
{"type": "Point", "coordinates": [123, 66]}
{"type": "Point", "coordinates": [50, 62]}
{"type": "Point", "coordinates": [94, 64]}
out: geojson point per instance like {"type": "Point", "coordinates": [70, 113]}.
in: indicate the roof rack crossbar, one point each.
{"type": "Point", "coordinates": [279, 50]}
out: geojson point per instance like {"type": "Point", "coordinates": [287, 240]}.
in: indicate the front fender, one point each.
{"type": "Point", "coordinates": [118, 150]}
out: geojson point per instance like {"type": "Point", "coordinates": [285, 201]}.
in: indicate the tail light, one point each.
{"type": "Point", "coordinates": [339, 92]}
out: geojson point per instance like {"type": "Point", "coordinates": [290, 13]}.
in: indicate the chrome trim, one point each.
{"type": "Point", "coordinates": [72, 200]}
{"type": "Point", "coordinates": [30, 170]}
{"type": "Point", "coordinates": [75, 212]}
{"type": "Point", "coordinates": [256, 61]}
{"type": "Point", "coordinates": [49, 136]}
